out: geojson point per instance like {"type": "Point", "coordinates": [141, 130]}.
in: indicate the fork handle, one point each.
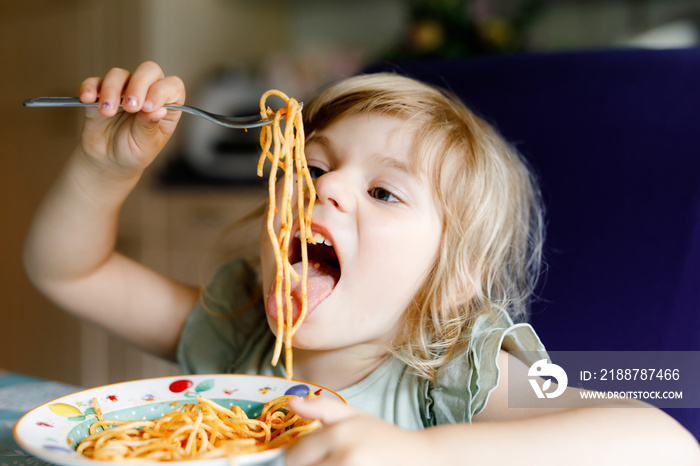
{"type": "Point", "coordinates": [56, 102]}
{"type": "Point", "coordinates": [75, 102]}
{"type": "Point", "coordinates": [70, 102]}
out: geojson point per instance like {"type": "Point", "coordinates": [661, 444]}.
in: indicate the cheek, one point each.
{"type": "Point", "coordinates": [413, 244]}
{"type": "Point", "coordinates": [400, 265]}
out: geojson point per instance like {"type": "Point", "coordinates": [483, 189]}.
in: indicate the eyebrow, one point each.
{"type": "Point", "coordinates": [394, 164]}
{"type": "Point", "coordinates": [324, 142]}
{"type": "Point", "coordinates": [388, 162]}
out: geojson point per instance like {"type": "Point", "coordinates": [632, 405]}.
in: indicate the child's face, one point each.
{"type": "Point", "coordinates": [385, 227]}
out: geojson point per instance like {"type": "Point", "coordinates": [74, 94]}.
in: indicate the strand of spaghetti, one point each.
{"type": "Point", "coordinates": [98, 411]}
{"type": "Point", "coordinates": [103, 423]}
{"type": "Point", "coordinates": [195, 432]}
{"type": "Point", "coordinates": [273, 405]}
{"type": "Point", "coordinates": [265, 144]}
{"type": "Point", "coordinates": [273, 133]}
{"type": "Point", "coordinates": [285, 421]}
{"type": "Point", "coordinates": [295, 431]}
{"type": "Point", "coordinates": [272, 205]}
{"type": "Point", "coordinates": [305, 226]}
{"type": "Point", "coordinates": [265, 430]}
{"type": "Point", "coordinates": [285, 233]}
{"type": "Point", "coordinates": [191, 431]}
{"type": "Point", "coordinates": [93, 438]}
{"type": "Point", "coordinates": [286, 151]}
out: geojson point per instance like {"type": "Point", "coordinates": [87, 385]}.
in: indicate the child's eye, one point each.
{"type": "Point", "coordinates": [316, 172]}
{"type": "Point", "coordinates": [383, 195]}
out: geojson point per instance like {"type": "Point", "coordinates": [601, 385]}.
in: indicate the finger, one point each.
{"type": "Point", "coordinates": [111, 91]}
{"type": "Point", "coordinates": [141, 80]}
{"type": "Point", "coordinates": [161, 120]}
{"type": "Point", "coordinates": [310, 450]}
{"type": "Point", "coordinates": [169, 90]}
{"type": "Point", "coordinates": [327, 410]}
{"type": "Point", "coordinates": [88, 90]}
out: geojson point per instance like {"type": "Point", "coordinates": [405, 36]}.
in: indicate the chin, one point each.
{"type": "Point", "coordinates": [301, 342]}
{"type": "Point", "coordinates": [306, 337]}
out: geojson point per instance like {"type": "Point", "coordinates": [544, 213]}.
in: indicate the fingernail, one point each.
{"type": "Point", "coordinates": [131, 101]}
{"type": "Point", "coordinates": [106, 105]}
{"type": "Point", "coordinates": [147, 106]}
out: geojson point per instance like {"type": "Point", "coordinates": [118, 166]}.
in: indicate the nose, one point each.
{"type": "Point", "coordinates": [335, 189]}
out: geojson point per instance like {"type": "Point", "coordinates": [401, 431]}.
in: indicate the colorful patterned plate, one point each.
{"type": "Point", "coordinates": [53, 430]}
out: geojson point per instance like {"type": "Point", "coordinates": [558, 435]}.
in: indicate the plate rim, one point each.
{"type": "Point", "coordinates": [243, 459]}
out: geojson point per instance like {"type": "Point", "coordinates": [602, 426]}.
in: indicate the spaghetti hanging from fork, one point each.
{"type": "Point", "coordinates": [285, 150]}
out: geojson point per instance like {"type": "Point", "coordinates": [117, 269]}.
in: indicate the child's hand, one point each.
{"type": "Point", "coordinates": [127, 141]}
{"type": "Point", "coordinates": [353, 437]}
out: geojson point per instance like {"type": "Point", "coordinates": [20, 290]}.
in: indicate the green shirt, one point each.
{"type": "Point", "coordinates": [228, 333]}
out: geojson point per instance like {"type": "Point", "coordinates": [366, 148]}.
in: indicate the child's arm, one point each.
{"type": "Point", "coordinates": [69, 253]}
{"type": "Point", "coordinates": [502, 436]}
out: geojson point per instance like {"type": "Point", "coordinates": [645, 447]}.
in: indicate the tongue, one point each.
{"type": "Point", "coordinates": [320, 281]}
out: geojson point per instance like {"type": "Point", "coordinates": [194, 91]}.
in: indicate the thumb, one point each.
{"type": "Point", "coordinates": [151, 131]}
{"type": "Point", "coordinates": [326, 410]}
{"type": "Point", "coordinates": [149, 124]}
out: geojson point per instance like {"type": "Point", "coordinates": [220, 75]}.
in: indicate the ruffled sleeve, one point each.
{"type": "Point", "coordinates": [463, 385]}
{"type": "Point", "coordinates": [223, 323]}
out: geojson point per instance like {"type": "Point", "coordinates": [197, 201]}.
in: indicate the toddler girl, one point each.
{"type": "Point", "coordinates": [429, 233]}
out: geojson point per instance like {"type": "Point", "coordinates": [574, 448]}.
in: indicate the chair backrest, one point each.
{"type": "Point", "coordinates": [614, 136]}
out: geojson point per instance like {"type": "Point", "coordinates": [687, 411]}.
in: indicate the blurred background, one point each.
{"type": "Point", "coordinates": [227, 52]}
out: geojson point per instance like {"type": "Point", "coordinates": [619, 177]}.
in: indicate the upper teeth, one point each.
{"type": "Point", "coordinates": [318, 237]}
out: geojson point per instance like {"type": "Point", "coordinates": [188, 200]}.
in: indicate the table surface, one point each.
{"type": "Point", "coordinates": [18, 394]}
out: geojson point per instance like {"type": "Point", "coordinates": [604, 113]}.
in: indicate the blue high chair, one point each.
{"type": "Point", "coordinates": [614, 137]}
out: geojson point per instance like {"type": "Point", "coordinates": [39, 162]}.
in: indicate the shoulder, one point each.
{"type": "Point", "coordinates": [497, 407]}
{"type": "Point", "coordinates": [234, 282]}
{"type": "Point", "coordinates": [223, 320]}
{"type": "Point", "coordinates": [466, 385]}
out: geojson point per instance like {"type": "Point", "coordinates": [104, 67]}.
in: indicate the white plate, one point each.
{"type": "Point", "coordinates": [52, 430]}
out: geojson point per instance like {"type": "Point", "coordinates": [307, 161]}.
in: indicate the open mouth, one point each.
{"type": "Point", "coordinates": [323, 252]}
{"type": "Point", "coordinates": [322, 275]}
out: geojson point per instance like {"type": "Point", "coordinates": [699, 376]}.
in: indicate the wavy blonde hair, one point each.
{"type": "Point", "coordinates": [490, 253]}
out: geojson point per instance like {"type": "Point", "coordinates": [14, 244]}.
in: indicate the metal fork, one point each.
{"type": "Point", "coordinates": [243, 122]}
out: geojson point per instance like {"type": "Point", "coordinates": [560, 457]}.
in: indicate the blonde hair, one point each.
{"type": "Point", "coordinates": [490, 253]}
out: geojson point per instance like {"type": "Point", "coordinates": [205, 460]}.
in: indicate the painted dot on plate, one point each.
{"type": "Point", "coordinates": [180, 385]}
{"type": "Point", "coordinates": [298, 390]}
